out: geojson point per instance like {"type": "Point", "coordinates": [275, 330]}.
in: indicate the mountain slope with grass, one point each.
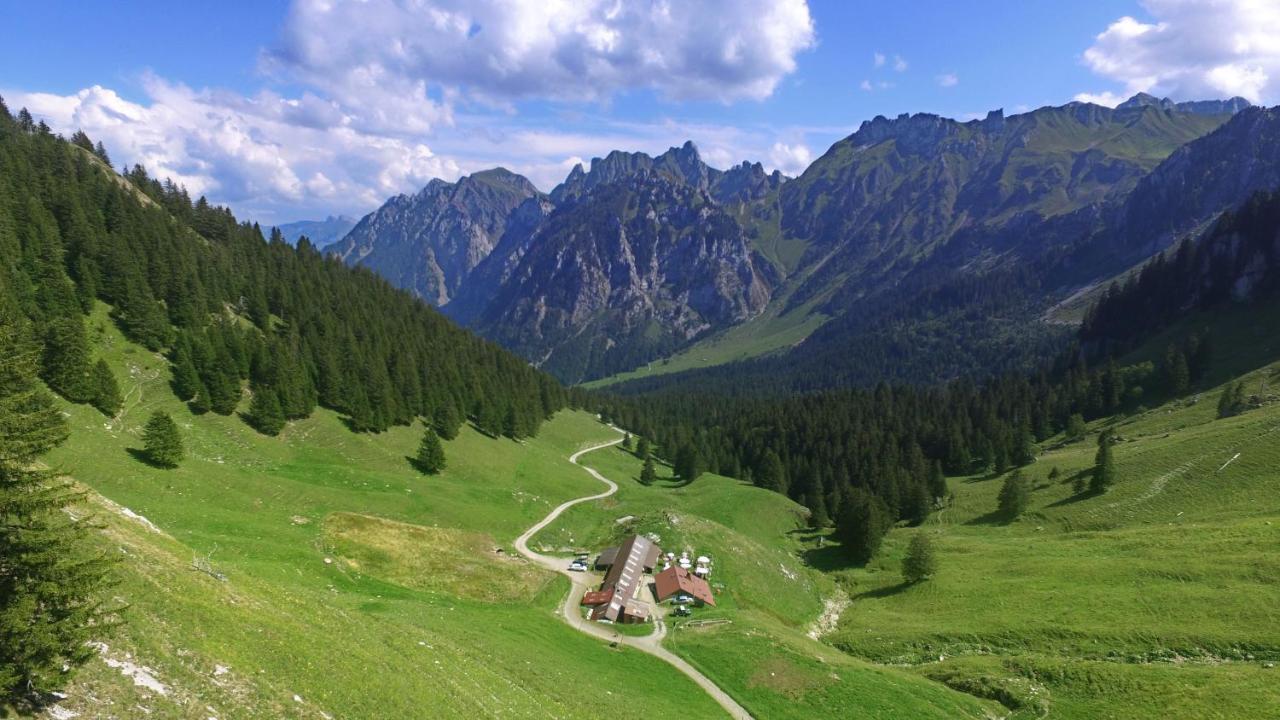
{"type": "Point", "coordinates": [279, 575]}
{"type": "Point", "coordinates": [1155, 598]}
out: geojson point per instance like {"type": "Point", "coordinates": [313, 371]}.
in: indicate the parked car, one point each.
{"type": "Point", "coordinates": [577, 566]}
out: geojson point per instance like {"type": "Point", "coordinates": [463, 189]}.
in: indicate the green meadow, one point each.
{"type": "Point", "coordinates": [1159, 598]}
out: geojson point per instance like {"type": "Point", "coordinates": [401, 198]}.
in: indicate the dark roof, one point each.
{"type": "Point", "coordinates": [676, 580]}
{"type": "Point", "coordinates": [627, 573]}
{"type": "Point", "coordinates": [607, 556]}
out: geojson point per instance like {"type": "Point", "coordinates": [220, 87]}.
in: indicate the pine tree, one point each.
{"type": "Point", "coordinates": [648, 473]}
{"type": "Point", "coordinates": [1014, 496]}
{"type": "Point", "coordinates": [771, 475]}
{"type": "Point", "coordinates": [430, 458]}
{"type": "Point", "coordinates": [106, 392]}
{"type": "Point", "coordinates": [1178, 374]}
{"type": "Point", "coordinates": [626, 442]}
{"type": "Point", "coordinates": [265, 414]}
{"type": "Point", "coordinates": [1025, 447]}
{"type": "Point", "coordinates": [937, 482]}
{"type": "Point", "coordinates": [920, 562]}
{"type": "Point", "coordinates": [688, 465]}
{"type": "Point", "coordinates": [642, 448]}
{"type": "Point", "coordinates": [863, 522]}
{"type": "Point", "coordinates": [50, 578]}
{"type": "Point", "coordinates": [1076, 427]}
{"type": "Point", "coordinates": [1104, 471]}
{"type": "Point", "coordinates": [186, 381]}
{"type": "Point", "coordinates": [161, 441]}
{"type": "Point", "coordinates": [66, 359]}
{"type": "Point", "coordinates": [447, 420]}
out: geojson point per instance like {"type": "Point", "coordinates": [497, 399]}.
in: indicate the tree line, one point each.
{"type": "Point", "coordinates": [230, 308]}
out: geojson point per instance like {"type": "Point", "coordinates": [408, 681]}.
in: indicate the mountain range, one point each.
{"type": "Point", "coordinates": [319, 232]}
{"type": "Point", "coordinates": [917, 231]}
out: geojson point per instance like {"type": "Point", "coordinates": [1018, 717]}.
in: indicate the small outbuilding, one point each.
{"type": "Point", "coordinates": [683, 586]}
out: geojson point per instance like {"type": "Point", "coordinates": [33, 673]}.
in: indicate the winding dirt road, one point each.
{"type": "Point", "coordinates": [651, 644]}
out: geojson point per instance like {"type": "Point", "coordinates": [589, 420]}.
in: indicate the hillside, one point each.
{"type": "Point", "coordinates": [320, 534]}
{"type": "Point", "coordinates": [1153, 600]}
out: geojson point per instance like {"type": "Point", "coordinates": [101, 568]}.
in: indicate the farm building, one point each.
{"type": "Point", "coordinates": [677, 582]}
{"type": "Point", "coordinates": [616, 600]}
{"type": "Point", "coordinates": [608, 556]}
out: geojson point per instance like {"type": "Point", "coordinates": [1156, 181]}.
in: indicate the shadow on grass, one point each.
{"type": "Point", "coordinates": [829, 558]}
{"type": "Point", "coordinates": [1073, 499]}
{"type": "Point", "coordinates": [983, 478]}
{"type": "Point", "coordinates": [141, 456]}
{"type": "Point", "coordinates": [883, 592]}
{"type": "Point", "coordinates": [995, 517]}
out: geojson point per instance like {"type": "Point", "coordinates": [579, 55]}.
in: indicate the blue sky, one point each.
{"type": "Point", "coordinates": [291, 110]}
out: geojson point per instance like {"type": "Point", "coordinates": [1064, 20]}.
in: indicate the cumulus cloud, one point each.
{"type": "Point", "coordinates": [257, 153]}
{"type": "Point", "coordinates": [390, 53]}
{"type": "Point", "coordinates": [1194, 49]}
{"type": "Point", "coordinates": [948, 80]}
{"type": "Point", "coordinates": [385, 95]}
{"type": "Point", "coordinates": [899, 64]}
{"type": "Point", "coordinates": [878, 59]}
{"type": "Point", "coordinates": [790, 159]}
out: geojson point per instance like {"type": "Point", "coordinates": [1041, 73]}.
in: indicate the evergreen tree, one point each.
{"type": "Point", "coordinates": [66, 359]}
{"type": "Point", "coordinates": [688, 465]}
{"type": "Point", "coordinates": [161, 441]}
{"type": "Point", "coordinates": [920, 562]}
{"type": "Point", "coordinates": [648, 473]}
{"type": "Point", "coordinates": [1014, 496]}
{"type": "Point", "coordinates": [642, 448]}
{"type": "Point", "coordinates": [626, 442]}
{"type": "Point", "coordinates": [50, 578]}
{"type": "Point", "coordinates": [1232, 400]}
{"type": "Point", "coordinates": [1025, 448]}
{"type": "Point", "coordinates": [937, 481]}
{"type": "Point", "coordinates": [818, 516]}
{"type": "Point", "coordinates": [447, 420]}
{"type": "Point", "coordinates": [265, 414]}
{"type": "Point", "coordinates": [1076, 427]}
{"type": "Point", "coordinates": [916, 504]}
{"type": "Point", "coordinates": [430, 457]}
{"type": "Point", "coordinates": [1177, 372]}
{"type": "Point", "coordinates": [106, 392]}
{"type": "Point", "coordinates": [770, 475]}
{"type": "Point", "coordinates": [863, 522]}
{"type": "Point", "coordinates": [1104, 471]}
{"type": "Point", "coordinates": [186, 381]}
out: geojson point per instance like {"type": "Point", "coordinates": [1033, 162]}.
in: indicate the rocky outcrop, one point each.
{"type": "Point", "coordinates": [430, 242]}
{"type": "Point", "coordinates": [625, 272]}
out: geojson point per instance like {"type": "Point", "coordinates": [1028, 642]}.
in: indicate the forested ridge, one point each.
{"type": "Point", "coordinates": [228, 306]}
{"type": "Point", "coordinates": [839, 452]}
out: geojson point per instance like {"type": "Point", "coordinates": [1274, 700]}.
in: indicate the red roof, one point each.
{"type": "Point", "coordinates": [676, 580]}
{"type": "Point", "coordinates": [597, 597]}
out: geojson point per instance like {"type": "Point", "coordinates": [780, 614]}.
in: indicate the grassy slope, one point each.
{"type": "Point", "coordinates": [346, 643]}
{"type": "Point", "coordinates": [1157, 599]}
{"type": "Point", "coordinates": [763, 656]}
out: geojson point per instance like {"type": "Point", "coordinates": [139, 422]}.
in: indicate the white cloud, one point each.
{"type": "Point", "coordinates": [261, 154]}
{"type": "Point", "coordinates": [387, 94]}
{"type": "Point", "coordinates": [790, 159]}
{"type": "Point", "coordinates": [868, 86]}
{"type": "Point", "coordinates": [899, 64]}
{"type": "Point", "coordinates": [387, 55]}
{"type": "Point", "coordinates": [878, 59]}
{"type": "Point", "coordinates": [948, 80]}
{"type": "Point", "coordinates": [1194, 49]}
{"type": "Point", "coordinates": [1106, 99]}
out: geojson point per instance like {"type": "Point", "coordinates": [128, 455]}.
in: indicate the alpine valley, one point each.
{"type": "Point", "coordinates": [916, 249]}
{"type": "Point", "coordinates": [964, 419]}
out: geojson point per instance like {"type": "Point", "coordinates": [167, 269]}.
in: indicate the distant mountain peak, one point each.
{"type": "Point", "coordinates": [1199, 107]}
